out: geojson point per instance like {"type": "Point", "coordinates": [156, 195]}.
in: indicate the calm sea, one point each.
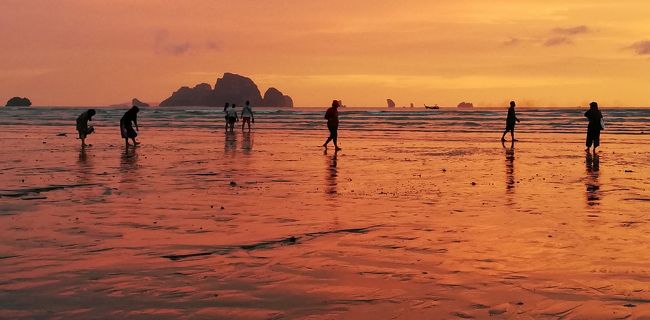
{"type": "Point", "coordinates": [552, 120]}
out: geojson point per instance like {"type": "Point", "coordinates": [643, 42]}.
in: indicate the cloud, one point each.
{"type": "Point", "coordinates": [641, 47]}
{"type": "Point", "coordinates": [213, 45]}
{"type": "Point", "coordinates": [164, 44]}
{"type": "Point", "coordinates": [557, 41]}
{"type": "Point", "coordinates": [572, 31]}
{"type": "Point", "coordinates": [562, 36]}
{"type": "Point", "coordinates": [512, 42]}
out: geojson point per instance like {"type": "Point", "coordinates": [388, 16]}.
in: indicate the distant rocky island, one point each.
{"type": "Point", "coordinates": [18, 102]}
{"type": "Point", "coordinates": [134, 102]}
{"type": "Point", "coordinates": [137, 103]}
{"type": "Point", "coordinates": [231, 88]}
{"type": "Point", "coordinates": [465, 105]}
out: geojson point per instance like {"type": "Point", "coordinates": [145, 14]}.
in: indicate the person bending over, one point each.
{"type": "Point", "coordinates": [82, 125]}
{"type": "Point", "coordinates": [129, 119]}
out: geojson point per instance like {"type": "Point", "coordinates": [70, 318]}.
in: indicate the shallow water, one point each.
{"type": "Point", "coordinates": [549, 120]}
{"type": "Point", "coordinates": [200, 224]}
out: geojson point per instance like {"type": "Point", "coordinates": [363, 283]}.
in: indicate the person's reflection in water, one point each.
{"type": "Point", "coordinates": [510, 167]}
{"type": "Point", "coordinates": [85, 166]}
{"type": "Point", "coordinates": [83, 157]}
{"type": "Point", "coordinates": [247, 142]}
{"type": "Point", "coordinates": [593, 186]}
{"type": "Point", "coordinates": [230, 142]}
{"type": "Point", "coordinates": [128, 164]}
{"type": "Point", "coordinates": [330, 187]}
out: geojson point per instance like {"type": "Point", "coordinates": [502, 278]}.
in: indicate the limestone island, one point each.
{"type": "Point", "coordinates": [231, 88]}
{"type": "Point", "coordinates": [18, 102]}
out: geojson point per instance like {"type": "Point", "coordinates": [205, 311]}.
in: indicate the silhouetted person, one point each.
{"type": "Point", "coordinates": [595, 125]}
{"type": "Point", "coordinates": [247, 116]}
{"type": "Point", "coordinates": [231, 116]}
{"type": "Point", "coordinates": [225, 113]}
{"type": "Point", "coordinates": [511, 121]}
{"type": "Point", "coordinates": [82, 125]}
{"type": "Point", "coordinates": [332, 116]}
{"type": "Point", "coordinates": [129, 119]}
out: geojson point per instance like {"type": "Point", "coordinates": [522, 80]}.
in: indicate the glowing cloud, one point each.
{"type": "Point", "coordinates": [641, 47]}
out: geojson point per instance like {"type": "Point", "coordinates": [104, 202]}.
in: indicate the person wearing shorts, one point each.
{"type": "Point", "coordinates": [231, 117]}
{"type": "Point", "coordinates": [247, 116]}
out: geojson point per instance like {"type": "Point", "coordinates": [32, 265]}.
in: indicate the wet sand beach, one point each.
{"type": "Point", "coordinates": [199, 224]}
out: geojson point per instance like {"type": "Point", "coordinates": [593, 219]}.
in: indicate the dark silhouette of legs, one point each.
{"type": "Point", "coordinates": [593, 138]}
{"type": "Point", "coordinates": [333, 137]}
{"type": "Point", "coordinates": [512, 134]}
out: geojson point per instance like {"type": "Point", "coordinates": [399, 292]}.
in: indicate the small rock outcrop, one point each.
{"type": "Point", "coordinates": [274, 98]}
{"type": "Point", "coordinates": [200, 95]}
{"type": "Point", "coordinates": [230, 88]}
{"type": "Point", "coordinates": [391, 103]}
{"type": "Point", "coordinates": [139, 104]}
{"type": "Point", "coordinates": [18, 102]}
{"type": "Point", "coordinates": [465, 105]}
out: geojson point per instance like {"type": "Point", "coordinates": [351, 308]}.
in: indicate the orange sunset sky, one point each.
{"type": "Point", "coordinates": [541, 53]}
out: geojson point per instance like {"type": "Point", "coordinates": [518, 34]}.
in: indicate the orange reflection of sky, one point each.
{"type": "Point", "coordinates": [397, 222]}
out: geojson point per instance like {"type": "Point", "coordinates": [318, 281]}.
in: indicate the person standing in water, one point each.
{"type": "Point", "coordinates": [247, 115]}
{"type": "Point", "coordinates": [82, 125]}
{"type": "Point", "coordinates": [511, 121]}
{"type": "Point", "coordinates": [225, 114]}
{"type": "Point", "coordinates": [231, 117]}
{"type": "Point", "coordinates": [595, 126]}
{"type": "Point", "coordinates": [129, 119]}
{"type": "Point", "coordinates": [332, 116]}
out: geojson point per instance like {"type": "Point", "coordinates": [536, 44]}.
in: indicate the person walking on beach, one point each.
{"type": "Point", "coordinates": [225, 114]}
{"type": "Point", "coordinates": [129, 119]}
{"type": "Point", "coordinates": [82, 125]}
{"type": "Point", "coordinates": [511, 121]}
{"type": "Point", "coordinates": [231, 117]}
{"type": "Point", "coordinates": [247, 115]}
{"type": "Point", "coordinates": [595, 126]}
{"type": "Point", "coordinates": [332, 116]}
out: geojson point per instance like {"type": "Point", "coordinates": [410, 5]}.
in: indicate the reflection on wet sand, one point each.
{"type": "Point", "coordinates": [247, 142]}
{"type": "Point", "coordinates": [162, 233]}
{"type": "Point", "coordinates": [128, 164]}
{"type": "Point", "coordinates": [593, 186]}
{"type": "Point", "coordinates": [510, 167]}
{"type": "Point", "coordinates": [230, 142]}
{"type": "Point", "coordinates": [330, 187]}
{"type": "Point", "coordinates": [85, 167]}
